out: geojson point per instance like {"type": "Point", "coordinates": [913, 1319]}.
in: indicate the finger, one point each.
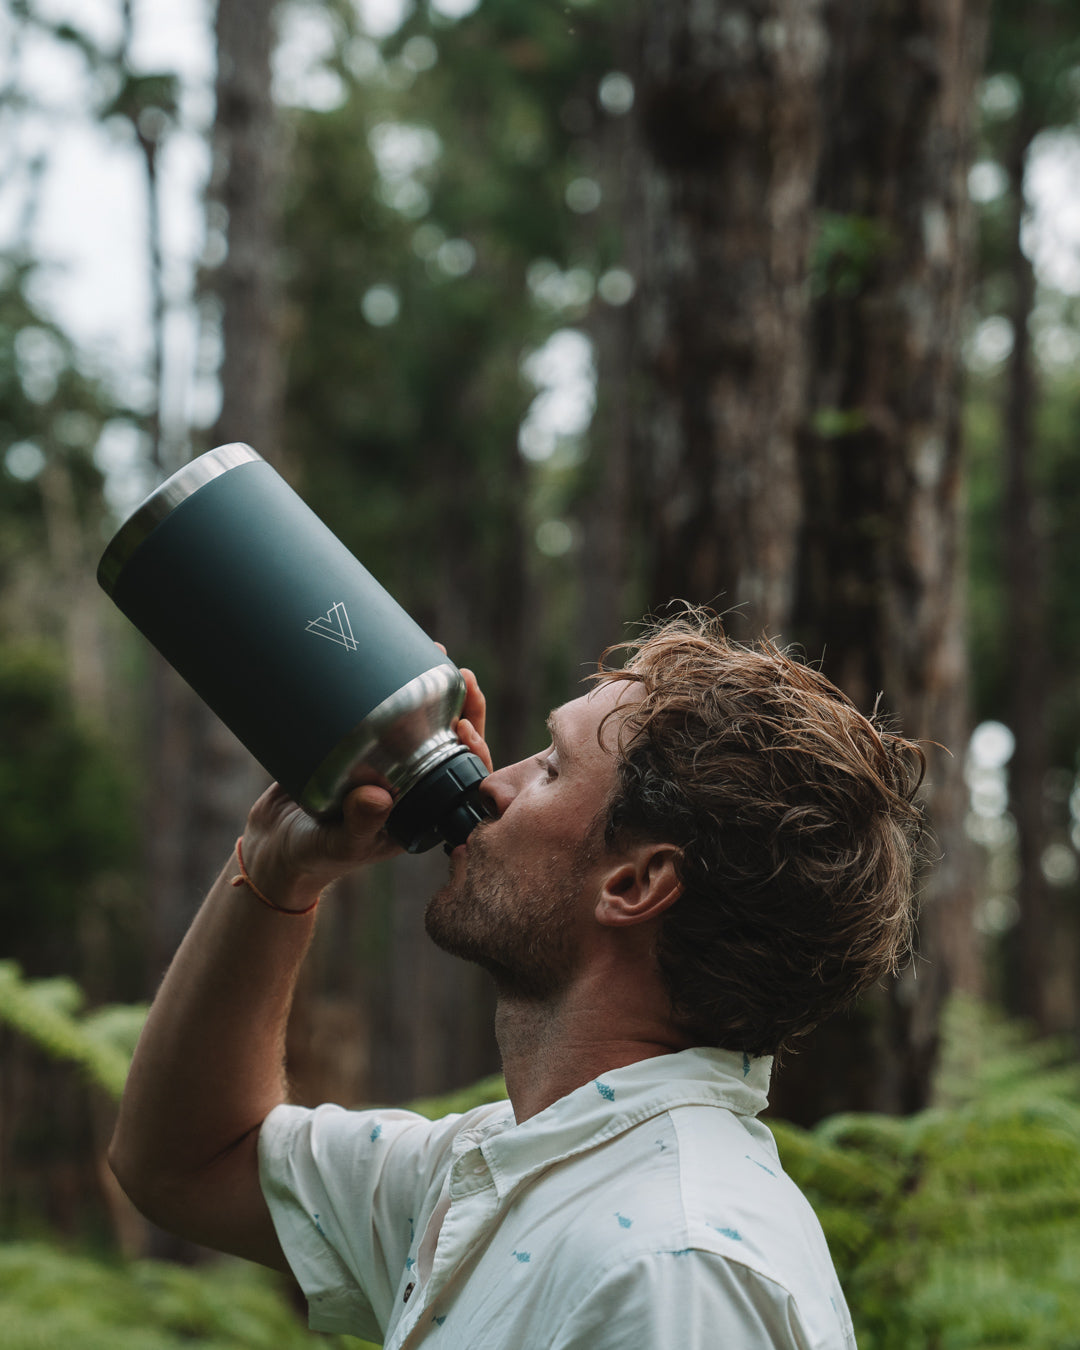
{"type": "Point", "coordinates": [475, 707]}
{"type": "Point", "coordinates": [475, 742]}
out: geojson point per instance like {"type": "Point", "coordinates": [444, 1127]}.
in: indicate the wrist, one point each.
{"type": "Point", "coordinates": [272, 884]}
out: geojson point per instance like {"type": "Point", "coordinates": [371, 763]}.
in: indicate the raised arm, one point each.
{"type": "Point", "coordinates": [209, 1065]}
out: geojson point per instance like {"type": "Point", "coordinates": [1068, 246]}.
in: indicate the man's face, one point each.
{"type": "Point", "coordinates": [522, 889]}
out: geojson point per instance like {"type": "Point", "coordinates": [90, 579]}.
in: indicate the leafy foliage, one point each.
{"type": "Point", "coordinates": [955, 1229]}
{"type": "Point", "coordinates": [51, 1300]}
{"type": "Point", "coordinates": [1030, 95]}
{"type": "Point", "coordinates": [51, 415]}
{"type": "Point", "coordinates": [49, 1013]}
{"type": "Point", "coordinates": [959, 1227]}
{"type": "Point", "coordinates": [64, 804]}
{"type": "Point", "coordinates": [429, 248]}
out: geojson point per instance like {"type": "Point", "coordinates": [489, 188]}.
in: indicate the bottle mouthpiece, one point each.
{"type": "Point", "coordinates": [445, 807]}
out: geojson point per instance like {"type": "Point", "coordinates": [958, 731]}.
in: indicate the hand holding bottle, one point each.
{"type": "Point", "coordinates": [292, 857]}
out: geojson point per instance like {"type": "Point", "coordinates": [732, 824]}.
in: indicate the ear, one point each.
{"type": "Point", "coordinates": [639, 888]}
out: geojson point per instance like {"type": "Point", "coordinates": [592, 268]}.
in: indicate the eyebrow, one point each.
{"type": "Point", "coordinates": [562, 749]}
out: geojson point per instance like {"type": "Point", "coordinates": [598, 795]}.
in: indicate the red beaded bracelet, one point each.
{"type": "Point", "coordinates": [245, 880]}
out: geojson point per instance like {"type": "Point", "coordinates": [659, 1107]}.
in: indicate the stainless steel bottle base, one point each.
{"type": "Point", "coordinates": [403, 739]}
{"type": "Point", "coordinates": [436, 784]}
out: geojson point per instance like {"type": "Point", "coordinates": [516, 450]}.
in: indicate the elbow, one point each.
{"type": "Point", "coordinates": [116, 1155]}
{"type": "Point", "coordinates": [143, 1179]}
{"type": "Point", "coordinates": [160, 1196]}
{"type": "Point", "coordinates": [132, 1179]}
{"type": "Point", "coordinates": [195, 1201]}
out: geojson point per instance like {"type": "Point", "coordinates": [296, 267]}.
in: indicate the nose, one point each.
{"type": "Point", "coordinates": [501, 787]}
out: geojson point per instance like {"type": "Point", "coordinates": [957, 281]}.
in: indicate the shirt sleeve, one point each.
{"type": "Point", "coordinates": [349, 1193]}
{"type": "Point", "coordinates": [671, 1300]}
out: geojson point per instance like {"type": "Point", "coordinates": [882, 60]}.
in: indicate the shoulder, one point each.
{"type": "Point", "coordinates": [695, 1175]}
{"type": "Point", "coordinates": [695, 1297]}
{"type": "Point", "coordinates": [736, 1195]}
{"type": "Point", "coordinates": [688, 1215]}
{"type": "Point", "coordinates": [741, 1206]}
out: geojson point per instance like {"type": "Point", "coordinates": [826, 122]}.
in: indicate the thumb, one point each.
{"type": "Point", "coordinates": [367, 807]}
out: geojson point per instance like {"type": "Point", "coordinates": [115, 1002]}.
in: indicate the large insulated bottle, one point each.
{"type": "Point", "coordinates": [295, 645]}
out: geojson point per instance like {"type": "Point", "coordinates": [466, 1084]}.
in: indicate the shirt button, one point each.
{"type": "Point", "coordinates": [408, 1291]}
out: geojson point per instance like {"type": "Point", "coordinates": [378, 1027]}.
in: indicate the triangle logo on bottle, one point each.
{"type": "Point", "coordinates": [335, 625]}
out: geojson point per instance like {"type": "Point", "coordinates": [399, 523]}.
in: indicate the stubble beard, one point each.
{"type": "Point", "coordinates": [517, 927]}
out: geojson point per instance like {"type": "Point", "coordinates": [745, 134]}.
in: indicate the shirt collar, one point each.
{"type": "Point", "coordinates": [613, 1103]}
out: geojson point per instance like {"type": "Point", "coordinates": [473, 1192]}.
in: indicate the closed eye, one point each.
{"type": "Point", "coordinates": [547, 763]}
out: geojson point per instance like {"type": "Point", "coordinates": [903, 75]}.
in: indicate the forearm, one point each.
{"type": "Point", "coordinates": [209, 1065]}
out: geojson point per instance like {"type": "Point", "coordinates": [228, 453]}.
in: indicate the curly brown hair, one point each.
{"type": "Point", "coordinates": [797, 826]}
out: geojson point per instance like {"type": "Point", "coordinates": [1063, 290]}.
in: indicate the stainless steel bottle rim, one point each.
{"type": "Point", "coordinates": [406, 736]}
{"type": "Point", "coordinates": [175, 490]}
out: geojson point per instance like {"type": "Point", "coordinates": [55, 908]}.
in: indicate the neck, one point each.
{"type": "Point", "coordinates": [551, 1047]}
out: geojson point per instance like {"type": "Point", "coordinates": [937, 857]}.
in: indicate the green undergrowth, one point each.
{"type": "Point", "coordinates": [958, 1228]}
{"type": "Point", "coordinates": [50, 1013]}
{"type": "Point", "coordinates": [954, 1229]}
{"type": "Point", "coordinates": [55, 1300]}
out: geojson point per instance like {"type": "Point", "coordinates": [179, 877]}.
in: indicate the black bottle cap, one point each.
{"type": "Point", "coordinates": [445, 806]}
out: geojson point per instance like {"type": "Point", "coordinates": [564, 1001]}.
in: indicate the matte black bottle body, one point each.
{"type": "Point", "coordinates": [294, 644]}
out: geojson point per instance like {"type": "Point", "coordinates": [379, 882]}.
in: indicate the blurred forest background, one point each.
{"type": "Point", "coordinates": [556, 310]}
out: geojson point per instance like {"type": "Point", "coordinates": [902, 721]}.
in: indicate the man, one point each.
{"type": "Point", "coordinates": [714, 852]}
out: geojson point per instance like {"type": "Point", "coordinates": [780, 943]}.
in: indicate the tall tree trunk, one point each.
{"type": "Point", "coordinates": [148, 126]}
{"type": "Point", "coordinates": [1031, 957]}
{"type": "Point", "coordinates": [202, 779]}
{"type": "Point", "coordinates": [727, 113]}
{"type": "Point", "coordinates": [880, 598]}
{"type": "Point", "coordinates": [606, 576]}
{"type": "Point", "coordinates": [840, 527]}
{"type": "Point", "coordinates": [248, 148]}
{"type": "Point", "coordinates": [431, 1016]}
{"type": "Point", "coordinates": [609, 580]}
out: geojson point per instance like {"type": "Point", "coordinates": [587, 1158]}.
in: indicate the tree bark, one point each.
{"type": "Point", "coordinates": [248, 148]}
{"type": "Point", "coordinates": [203, 780]}
{"type": "Point", "coordinates": [730, 136]}
{"type": "Point", "coordinates": [608, 563]}
{"type": "Point", "coordinates": [1031, 957]}
{"type": "Point", "coordinates": [881, 561]}
{"type": "Point", "coordinates": [812, 474]}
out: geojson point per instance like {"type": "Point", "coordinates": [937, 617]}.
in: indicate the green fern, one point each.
{"type": "Point", "coordinates": [958, 1228]}
{"type": "Point", "coordinates": [955, 1229]}
{"type": "Point", "coordinates": [47, 1012]}
{"type": "Point", "coordinates": [52, 1300]}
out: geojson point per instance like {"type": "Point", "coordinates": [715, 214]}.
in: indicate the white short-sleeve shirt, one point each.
{"type": "Point", "coordinates": [647, 1208]}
